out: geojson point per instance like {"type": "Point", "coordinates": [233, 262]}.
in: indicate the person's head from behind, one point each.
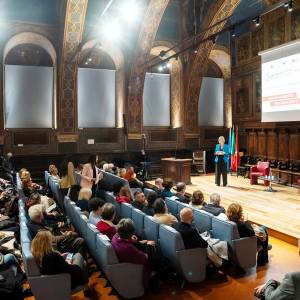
{"type": "Point", "coordinates": [139, 197]}
{"type": "Point", "coordinates": [92, 160]}
{"type": "Point", "coordinates": [41, 245]}
{"type": "Point", "coordinates": [122, 172]}
{"type": "Point", "coordinates": [197, 198]}
{"type": "Point", "coordinates": [129, 175]}
{"type": "Point", "coordinates": [159, 206]}
{"type": "Point", "coordinates": [105, 167]}
{"type": "Point", "coordinates": [125, 229]}
{"type": "Point", "coordinates": [108, 212]}
{"type": "Point", "coordinates": [215, 199]}
{"type": "Point", "coordinates": [151, 197]}
{"type": "Point", "coordinates": [167, 184]}
{"type": "Point", "coordinates": [159, 183]}
{"type": "Point", "coordinates": [186, 215]}
{"type": "Point", "coordinates": [117, 187]}
{"type": "Point", "coordinates": [53, 170]}
{"type": "Point", "coordinates": [125, 191]}
{"type": "Point", "coordinates": [235, 212]}
{"type": "Point", "coordinates": [85, 194]}
{"type": "Point", "coordinates": [9, 155]}
{"type": "Point", "coordinates": [180, 188]}
{"type": "Point", "coordinates": [95, 205]}
{"type": "Point", "coordinates": [36, 213]}
{"type": "Point", "coordinates": [34, 198]}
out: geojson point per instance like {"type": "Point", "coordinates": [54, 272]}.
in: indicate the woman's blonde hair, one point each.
{"type": "Point", "coordinates": [41, 245]}
{"type": "Point", "coordinates": [221, 138]}
{"type": "Point", "coordinates": [197, 198]}
{"type": "Point", "coordinates": [235, 212]}
{"type": "Point", "coordinates": [85, 194]}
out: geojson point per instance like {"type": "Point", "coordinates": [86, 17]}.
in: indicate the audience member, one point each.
{"type": "Point", "coordinates": [54, 172]}
{"type": "Point", "coordinates": [91, 175]}
{"type": "Point", "coordinates": [28, 186]}
{"type": "Point", "coordinates": [124, 195]}
{"type": "Point", "coordinates": [197, 200]}
{"type": "Point", "coordinates": [180, 195]}
{"type": "Point", "coordinates": [52, 262]}
{"type": "Point", "coordinates": [95, 208]}
{"type": "Point", "coordinates": [167, 184]}
{"type": "Point", "coordinates": [84, 196]}
{"type": "Point", "coordinates": [245, 229]}
{"type": "Point", "coordinates": [148, 209]}
{"type": "Point", "coordinates": [8, 167]}
{"type": "Point", "coordinates": [161, 214]}
{"type": "Point", "coordinates": [139, 200]}
{"type": "Point", "coordinates": [190, 235]}
{"type": "Point", "coordinates": [123, 244]}
{"type": "Point", "coordinates": [67, 181]}
{"type": "Point", "coordinates": [158, 188]}
{"type": "Point", "coordinates": [288, 289]}
{"type": "Point", "coordinates": [105, 225]}
{"type": "Point", "coordinates": [68, 241]}
{"type": "Point", "coordinates": [122, 172]}
{"type": "Point", "coordinates": [213, 206]}
{"type": "Point", "coordinates": [130, 176]}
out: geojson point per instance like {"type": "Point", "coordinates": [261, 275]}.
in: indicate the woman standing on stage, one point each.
{"type": "Point", "coordinates": [221, 160]}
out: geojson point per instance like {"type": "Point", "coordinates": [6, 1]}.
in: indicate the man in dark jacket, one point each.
{"type": "Point", "coordinates": [213, 206]}
{"type": "Point", "coordinates": [190, 235]}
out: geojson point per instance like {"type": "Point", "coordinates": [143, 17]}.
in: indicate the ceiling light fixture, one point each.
{"type": "Point", "coordinates": [257, 21]}
{"type": "Point", "coordinates": [129, 11]}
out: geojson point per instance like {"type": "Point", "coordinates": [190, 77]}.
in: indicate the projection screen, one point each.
{"type": "Point", "coordinates": [156, 100]}
{"type": "Point", "coordinates": [211, 102]}
{"type": "Point", "coordinates": [281, 83]}
{"type": "Point", "coordinates": [96, 98]}
{"type": "Point", "coordinates": [28, 94]}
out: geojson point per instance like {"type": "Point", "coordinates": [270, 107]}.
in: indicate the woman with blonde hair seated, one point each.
{"type": "Point", "coordinates": [54, 172]}
{"type": "Point", "coordinates": [51, 262]}
{"type": "Point", "coordinates": [197, 200]}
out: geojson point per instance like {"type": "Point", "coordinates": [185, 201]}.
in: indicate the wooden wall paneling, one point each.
{"type": "Point", "coordinates": [243, 48]}
{"type": "Point", "coordinates": [294, 25]}
{"type": "Point", "coordinates": [272, 145]}
{"type": "Point", "coordinates": [283, 145]}
{"type": "Point", "coordinates": [262, 144]}
{"type": "Point", "coordinates": [294, 145]}
{"type": "Point", "coordinates": [256, 95]}
{"type": "Point", "coordinates": [252, 143]}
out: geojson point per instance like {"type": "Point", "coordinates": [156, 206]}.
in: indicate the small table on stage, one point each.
{"type": "Point", "coordinates": [179, 170]}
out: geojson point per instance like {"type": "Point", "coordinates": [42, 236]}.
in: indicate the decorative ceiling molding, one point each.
{"type": "Point", "coordinates": [198, 65]}
{"type": "Point", "coordinates": [220, 55]}
{"type": "Point", "coordinates": [149, 27]}
{"type": "Point", "coordinates": [118, 58]}
{"type": "Point", "coordinates": [73, 30]}
{"type": "Point", "coordinates": [30, 38]}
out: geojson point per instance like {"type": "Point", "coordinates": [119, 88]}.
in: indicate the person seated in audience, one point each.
{"type": "Point", "coordinates": [122, 172]}
{"type": "Point", "coordinates": [28, 186]}
{"type": "Point", "coordinates": [161, 214]}
{"type": "Point", "coordinates": [52, 262]}
{"type": "Point", "coordinates": [158, 188]}
{"type": "Point", "coordinates": [246, 229]}
{"type": "Point", "coordinates": [288, 289]}
{"type": "Point", "coordinates": [130, 176]}
{"type": "Point", "coordinates": [101, 164]}
{"type": "Point", "coordinates": [124, 195]}
{"type": "Point", "coordinates": [54, 172]}
{"type": "Point", "coordinates": [167, 184]}
{"type": "Point", "coordinates": [180, 195]}
{"type": "Point", "coordinates": [148, 209]}
{"type": "Point", "coordinates": [67, 241]}
{"type": "Point", "coordinates": [95, 208]}
{"type": "Point", "coordinates": [115, 170]}
{"type": "Point", "coordinates": [105, 225]}
{"type": "Point", "coordinates": [108, 168]}
{"type": "Point", "coordinates": [139, 201]}
{"type": "Point", "coordinates": [213, 206]}
{"type": "Point", "coordinates": [197, 200]}
{"type": "Point", "coordinates": [84, 196]}
{"type": "Point", "coordinates": [190, 235]}
{"type": "Point", "coordinates": [126, 251]}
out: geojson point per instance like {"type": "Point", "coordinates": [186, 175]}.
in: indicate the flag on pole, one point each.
{"type": "Point", "coordinates": [235, 157]}
{"type": "Point", "coordinates": [229, 145]}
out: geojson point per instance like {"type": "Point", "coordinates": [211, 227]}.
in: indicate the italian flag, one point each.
{"type": "Point", "coordinates": [234, 150]}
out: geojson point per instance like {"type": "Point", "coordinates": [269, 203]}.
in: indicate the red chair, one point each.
{"type": "Point", "coordinates": [262, 169]}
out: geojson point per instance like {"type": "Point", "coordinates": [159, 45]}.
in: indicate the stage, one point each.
{"type": "Point", "coordinates": [279, 211]}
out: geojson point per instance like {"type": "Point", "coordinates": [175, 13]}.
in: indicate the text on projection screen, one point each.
{"type": "Point", "coordinates": [281, 89]}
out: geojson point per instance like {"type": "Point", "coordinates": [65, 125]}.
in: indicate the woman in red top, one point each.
{"type": "Point", "coordinates": [105, 225]}
{"type": "Point", "coordinates": [124, 195]}
{"type": "Point", "coordinates": [130, 176]}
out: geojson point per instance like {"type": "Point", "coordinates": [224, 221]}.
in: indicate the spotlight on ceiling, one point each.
{"type": "Point", "coordinates": [86, 63]}
{"type": "Point", "coordinates": [129, 11]}
{"type": "Point", "coordinates": [289, 5]}
{"type": "Point", "coordinates": [168, 65]}
{"type": "Point", "coordinates": [196, 50]}
{"type": "Point", "coordinates": [89, 59]}
{"type": "Point", "coordinates": [110, 30]}
{"type": "Point", "coordinates": [257, 21]}
{"type": "Point", "coordinates": [160, 68]}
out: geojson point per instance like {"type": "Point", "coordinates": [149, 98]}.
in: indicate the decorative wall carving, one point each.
{"type": "Point", "coordinates": [243, 48]}
{"type": "Point", "coordinates": [276, 32]}
{"type": "Point", "coordinates": [295, 24]}
{"type": "Point", "coordinates": [74, 24]}
{"type": "Point", "coordinates": [257, 40]}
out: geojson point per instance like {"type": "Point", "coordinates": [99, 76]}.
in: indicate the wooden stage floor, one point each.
{"type": "Point", "coordinates": [279, 211]}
